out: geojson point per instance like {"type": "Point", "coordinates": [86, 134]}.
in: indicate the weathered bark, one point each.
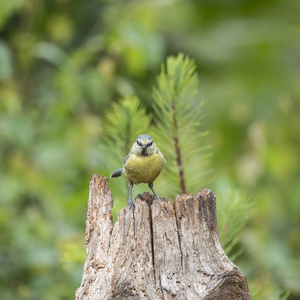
{"type": "Point", "coordinates": [161, 250]}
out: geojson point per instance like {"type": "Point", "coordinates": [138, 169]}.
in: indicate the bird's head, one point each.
{"type": "Point", "coordinates": [144, 145]}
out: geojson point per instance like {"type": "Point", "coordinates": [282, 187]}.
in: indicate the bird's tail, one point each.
{"type": "Point", "coordinates": [117, 173]}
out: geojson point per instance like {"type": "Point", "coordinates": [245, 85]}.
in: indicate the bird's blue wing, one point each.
{"type": "Point", "coordinates": [117, 173]}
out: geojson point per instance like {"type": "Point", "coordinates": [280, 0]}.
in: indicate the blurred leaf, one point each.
{"type": "Point", "coordinates": [6, 64]}
{"type": "Point", "coordinates": [50, 52]}
{"type": "Point", "coordinates": [7, 8]}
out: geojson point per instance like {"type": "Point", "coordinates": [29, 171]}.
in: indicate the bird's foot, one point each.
{"type": "Point", "coordinates": [131, 203]}
{"type": "Point", "coordinates": [162, 198]}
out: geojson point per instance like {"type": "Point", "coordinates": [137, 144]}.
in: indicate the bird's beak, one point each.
{"type": "Point", "coordinates": [144, 146]}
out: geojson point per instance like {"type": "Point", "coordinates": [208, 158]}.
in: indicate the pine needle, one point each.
{"type": "Point", "coordinates": [234, 211]}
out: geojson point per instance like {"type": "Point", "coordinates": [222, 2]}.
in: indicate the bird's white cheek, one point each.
{"type": "Point", "coordinates": [137, 150]}
{"type": "Point", "coordinates": [151, 150]}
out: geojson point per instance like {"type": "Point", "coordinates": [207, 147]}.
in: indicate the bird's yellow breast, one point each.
{"type": "Point", "coordinates": [144, 169]}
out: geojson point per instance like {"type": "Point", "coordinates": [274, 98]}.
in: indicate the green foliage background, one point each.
{"type": "Point", "coordinates": [64, 68]}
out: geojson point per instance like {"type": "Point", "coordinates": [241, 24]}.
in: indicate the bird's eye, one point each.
{"type": "Point", "coordinates": [139, 143]}
{"type": "Point", "coordinates": [150, 144]}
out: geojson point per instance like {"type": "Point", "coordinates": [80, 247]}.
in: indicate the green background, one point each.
{"type": "Point", "coordinates": [64, 63]}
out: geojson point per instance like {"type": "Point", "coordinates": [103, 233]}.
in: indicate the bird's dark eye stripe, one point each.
{"type": "Point", "coordinates": [141, 145]}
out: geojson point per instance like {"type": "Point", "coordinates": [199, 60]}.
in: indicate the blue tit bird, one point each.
{"type": "Point", "coordinates": [143, 164]}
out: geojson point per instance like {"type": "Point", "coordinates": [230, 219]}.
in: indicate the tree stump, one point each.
{"type": "Point", "coordinates": [161, 250]}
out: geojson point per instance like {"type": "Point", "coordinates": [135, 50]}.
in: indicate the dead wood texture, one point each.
{"type": "Point", "coordinates": [162, 250]}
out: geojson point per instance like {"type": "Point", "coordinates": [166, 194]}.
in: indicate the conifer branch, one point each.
{"type": "Point", "coordinates": [233, 213]}
{"type": "Point", "coordinates": [177, 131]}
{"type": "Point", "coordinates": [126, 120]}
{"type": "Point", "coordinates": [177, 150]}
